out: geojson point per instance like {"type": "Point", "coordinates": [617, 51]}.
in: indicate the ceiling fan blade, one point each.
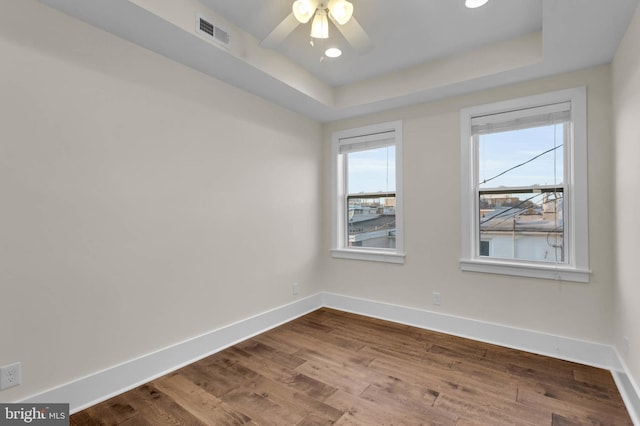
{"type": "Point", "coordinates": [280, 32]}
{"type": "Point", "coordinates": [355, 35]}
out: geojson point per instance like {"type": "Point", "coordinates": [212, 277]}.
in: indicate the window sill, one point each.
{"type": "Point", "coordinates": [369, 255]}
{"type": "Point", "coordinates": [525, 270]}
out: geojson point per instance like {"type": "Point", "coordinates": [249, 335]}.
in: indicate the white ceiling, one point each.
{"type": "Point", "coordinates": [423, 49]}
{"type": "Point", "coordinates": [404, 33]}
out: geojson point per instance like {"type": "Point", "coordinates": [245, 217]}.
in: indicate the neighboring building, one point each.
{"type": "Point", "coordinates": [373, 225]}
{"type": "Point", "coordinates": [531, 233]}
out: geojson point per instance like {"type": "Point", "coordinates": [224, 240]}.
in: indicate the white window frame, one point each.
{"type": "Point", "coordinates": [576, 203]}
{"type": "Point", "coordinates": [339, 246]}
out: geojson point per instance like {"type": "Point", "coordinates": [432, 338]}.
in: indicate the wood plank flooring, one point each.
{"type": "Point", "coordinates": [331, 367]}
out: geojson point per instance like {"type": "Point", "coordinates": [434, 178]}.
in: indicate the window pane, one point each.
{"type": "Point", "coordinates": [523, 225]}
{"type": "Point", "coordinates": [373, 170]}
{"type": "Point", "coordinates": [520, 158]}
{"type": "Point", "coordinates": [372, 222]}
{"type": "Point", "coordinates": [485, 248]}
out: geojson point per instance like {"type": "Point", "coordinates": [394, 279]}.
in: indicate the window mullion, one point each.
{"type": "Point", "coordinates": [569, 225]}
{"type": "Point", "coordinates": [345, 202]}
{"type": "Point", "coordinates": [476, 237]}
{"type": "Point", "coordinates": [534, 189]}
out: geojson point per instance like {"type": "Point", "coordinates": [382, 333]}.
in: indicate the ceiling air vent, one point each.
{"type": "Point", "coordinates": [212, 32]}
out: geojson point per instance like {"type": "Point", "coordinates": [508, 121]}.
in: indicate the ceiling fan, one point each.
{"type": "Point", "coordinates": [340, 12]}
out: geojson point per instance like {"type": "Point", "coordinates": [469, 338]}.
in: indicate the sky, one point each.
{"type": "Point", "coordinates": [498, 152]}
{"type": "Point", "coordinates": [374, 170]}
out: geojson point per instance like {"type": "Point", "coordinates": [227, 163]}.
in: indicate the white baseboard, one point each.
{"type": "Point", "coordinates": [87, 391]}
{"type": "Point", "coordinates": [583, 352]}
{"type": "Point", "coordinates": [594, 354]}
{"type": "Point", "coordinates": [629, 390]}
{"type": "Point", "coordinates": [100, 386]}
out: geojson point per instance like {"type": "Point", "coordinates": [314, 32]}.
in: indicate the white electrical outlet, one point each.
{"type": "Point", "coordinates": [437, 299]}
{"type": "Point", "coordinates": [10, 376]}
{"type": "Point", "coordinates": [295, 288]}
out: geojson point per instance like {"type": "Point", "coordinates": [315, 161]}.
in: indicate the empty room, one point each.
{"type": "Point", "coordinates": [300, 212]}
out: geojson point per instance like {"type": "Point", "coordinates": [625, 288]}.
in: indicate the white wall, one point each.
{"type": "Point", "coordinates": [626, 107]}
{"type": "Point", "coordinates": [142, 203]}
{"type": "Point", "coordinates": [432, 224]}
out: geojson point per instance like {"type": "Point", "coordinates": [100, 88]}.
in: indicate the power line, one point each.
{"type": "Point", "coordinates": [502, 213]}
{"type": "Point", "coordinates": [521, 164]}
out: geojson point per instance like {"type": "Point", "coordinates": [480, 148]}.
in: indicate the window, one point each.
{"type": "Point", "coordinates": [367, 195]}
{"type": "Point", "coordinates": [485, 248]}
{"type": "Point", "coordinates": [524, 187]}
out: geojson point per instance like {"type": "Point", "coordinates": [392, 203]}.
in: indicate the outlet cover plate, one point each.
{"type": "Point", "coordinates": [10, 376]}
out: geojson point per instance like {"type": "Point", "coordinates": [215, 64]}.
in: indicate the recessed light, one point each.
{"type": "Point", "coordinates": [333, 52]}
{"type": "Point", "coordinates": [472, 4]}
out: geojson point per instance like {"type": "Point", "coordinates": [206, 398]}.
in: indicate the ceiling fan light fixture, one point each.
{"type": "Point", "coordinates": [341, 11]}
{"type": "Point", "coordinates": [303, 10]}
{"type": "Point", "coordinates": [333, 52]}
{"type": "Point", "coordinates": [472, 4]}
{"type": "Point", "coordinates": [320, 25]}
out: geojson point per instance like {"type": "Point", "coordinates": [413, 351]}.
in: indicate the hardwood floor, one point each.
{"type": "Point", "coordinates": [331, 367]}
